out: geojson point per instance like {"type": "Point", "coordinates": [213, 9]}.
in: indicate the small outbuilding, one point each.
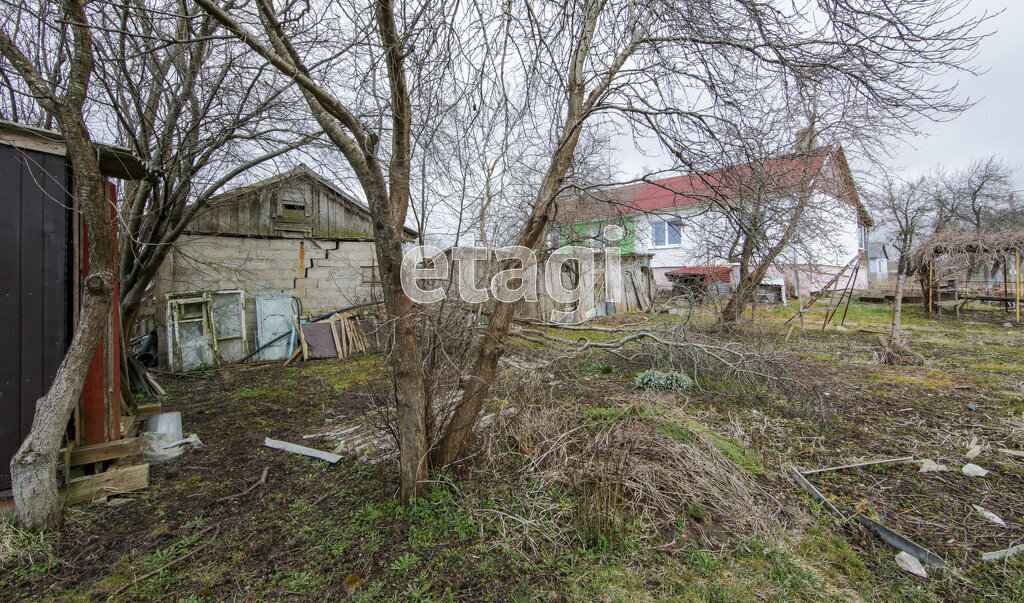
{"type": "Point", "coordinates": [41, 270]}
{"type": "Point", "coordinates": [292, 245]}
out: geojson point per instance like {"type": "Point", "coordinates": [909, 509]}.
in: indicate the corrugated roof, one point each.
{"type": "Point", "coordinates": [722, 274]}
{"type": "Point", "coordinates": [785, 173]}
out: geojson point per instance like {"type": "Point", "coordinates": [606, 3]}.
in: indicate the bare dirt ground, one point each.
{"type": "Point", "coordinates": [577, 494]}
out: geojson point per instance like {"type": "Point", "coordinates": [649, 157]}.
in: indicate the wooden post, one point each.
{"type": "Point", "coordinates": [301, 282]}
{"type": "Point", "coordinates": [931, 286]}
{"type": "Point", "coordinates": [1018, 282]}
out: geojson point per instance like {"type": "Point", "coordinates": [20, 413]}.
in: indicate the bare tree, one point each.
{"type": "Point", "coordinates": [198, 111]}
{"type": "Point", "coordinates": [980, 198]}
{"type": "Point", "coordinates": [905, 212]}
{"type": "Point", "coordinates": [976, 197]}
{"type": "Point", "coordinates": [677, 70]}
{"type": "Point", "coordinates": [33, 469]}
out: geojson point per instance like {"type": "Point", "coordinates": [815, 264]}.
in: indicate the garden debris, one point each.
{"type": "Point", "coordinates": [888, 536]}
{"type": "Point", "coordinates": [1003, 554]}
{"type": "Point", "coordinates": [1016, 453]}
{"type": "Point", "coordinates": [928, 466]}
{"type": "Point", "coordinates": [898, 541]}
{"type": "Point", "coordinates": [169, 563]}
{"type": "Point", "coordinates": [989, 515]}
{"type": "Point", "coordinates": [809, 487]}
{"type": "Point", "coordinates": [262, 481]}
{"type": "Point", "coordinates": [295, 448]}
{"type": "Point", "coordinates": [337, 335]}
{"type": "Point", "coordinates": [974, 470]}
{"type": "Point", "coordinates": [973, 452]}
{"type": "Point", "coordinates": [163, 440]}
{"type": "Point", "coordinates": [972, 406]}
{"type": "Point", "coordinates": [160, 448]}
{"type": "Point", "coordinates": [911, 564]}
{"type": "Point", "coordinates": [905, 459]}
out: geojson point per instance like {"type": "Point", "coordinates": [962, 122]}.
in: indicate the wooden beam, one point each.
{"type": "Point", "coordinates": [83, 455]}
{"type": "Point", "coordinates": [337, 340]}
{"type": "Point", "coordinates": [114, 481]}
{"type": "Point", "coordinates": [144, 411]}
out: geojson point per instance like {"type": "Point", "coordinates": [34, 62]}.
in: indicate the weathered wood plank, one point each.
{"type": "Point", "coordinates": [147, 410]}
{"type": "Point", "coordinates": [95, 453]}
{"type": "Point", "coordinates": [114, 481]}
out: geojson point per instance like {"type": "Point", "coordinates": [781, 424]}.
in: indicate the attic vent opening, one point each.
{"type": "Point", "coordinates": [294, 207]}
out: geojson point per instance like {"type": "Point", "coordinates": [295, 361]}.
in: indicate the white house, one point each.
{"type": "Point", "coordinates": [683, 221]}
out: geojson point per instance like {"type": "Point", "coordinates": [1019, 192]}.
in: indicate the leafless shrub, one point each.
{"type": "Point", "coordinates": [896, 352]}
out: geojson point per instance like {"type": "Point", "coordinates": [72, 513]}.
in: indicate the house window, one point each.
{"type": "Point", "coordinates": [862, 238]}
{"type": "Point", "coordinates": [368, 276]}
{"type": "Point", "coordinates": [666, 234]}
{"type": "Point", "coordinates": [596, 239]}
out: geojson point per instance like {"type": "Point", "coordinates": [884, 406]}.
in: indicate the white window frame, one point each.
{"type": "Point", "coordinates": [668, 225]}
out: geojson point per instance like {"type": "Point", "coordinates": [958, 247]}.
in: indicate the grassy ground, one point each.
{"type": "Point", "coordinates": [495, 529]}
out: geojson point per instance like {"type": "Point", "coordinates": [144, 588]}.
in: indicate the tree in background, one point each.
{"type": "Point", "coordinates": [583, 65]}
{"type": "Point", "coordinates": [193, 106]}
{"type": "Point", "coordinates": [905, 212]}
{"type": "Point", "coordinates": [196, 109]}
{"type": "Point", "coordinates": [978, 198]}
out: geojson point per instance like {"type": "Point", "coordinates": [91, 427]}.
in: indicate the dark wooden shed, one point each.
{"type": "Point", "coordinates": [41, 265]}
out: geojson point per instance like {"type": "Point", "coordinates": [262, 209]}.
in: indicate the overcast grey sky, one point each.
{"type": "Point", "coordinates": [995, 125]}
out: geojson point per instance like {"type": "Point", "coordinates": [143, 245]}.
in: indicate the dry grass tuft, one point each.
{"type": "Point", "coordinates": [631, 468]}
{"type": "Point", "coordinates": [896, 352]}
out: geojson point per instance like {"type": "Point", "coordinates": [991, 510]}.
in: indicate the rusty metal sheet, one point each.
{"type": "Point", "coordinates": [319, 340]}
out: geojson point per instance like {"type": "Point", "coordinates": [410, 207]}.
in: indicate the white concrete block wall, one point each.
{"type": "Point", "coordinates": [331, 276]}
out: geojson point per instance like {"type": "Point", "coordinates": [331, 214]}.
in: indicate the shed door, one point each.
{"type": "Point", "coordinates": [274, 318]}
{"type": "Point", "coordinates": [34, 288]}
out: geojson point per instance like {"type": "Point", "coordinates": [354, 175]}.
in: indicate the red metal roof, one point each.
{"type": "Point", "coordinates": [784, 173]}
{"type": "Point", "coordinates": [722, 274]}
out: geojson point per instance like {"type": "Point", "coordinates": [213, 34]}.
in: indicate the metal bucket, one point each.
{"type": "Point", "coordinates": [167, 423]}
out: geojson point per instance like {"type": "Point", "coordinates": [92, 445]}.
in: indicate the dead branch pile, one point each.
{"type": "Point", "coordinates": [673, 346]}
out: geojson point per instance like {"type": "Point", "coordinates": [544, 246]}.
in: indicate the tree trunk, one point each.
{"type": "Point", "coordinates": [33, 469]}
{"type": "Point", "coordinates": [897, 308]}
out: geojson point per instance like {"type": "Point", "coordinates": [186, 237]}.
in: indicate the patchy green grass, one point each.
{"type": "Point", "coordinates": [317, 531]}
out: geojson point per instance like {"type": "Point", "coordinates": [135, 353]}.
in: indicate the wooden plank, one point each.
{"type": "Point", "coordinates": [144, 411]}
{"type": "Point", "coordinates": [345, 344]}
{"type": "Point", "coordinates": [160, 391]}
{"type": "Point", "coordinates": [337, 340]}
{"type": "Point", "coordinates": [302, 339]}
{"type": "Point", "coordinates": [115, 481]}
{"type": "Point", "coordinates": [95, 453]}
{"type": "Point", "coordinates": [295, 448]}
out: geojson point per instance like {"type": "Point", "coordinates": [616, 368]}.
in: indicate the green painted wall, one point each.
{"type": "Point", "coordinates": [579, 234]}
